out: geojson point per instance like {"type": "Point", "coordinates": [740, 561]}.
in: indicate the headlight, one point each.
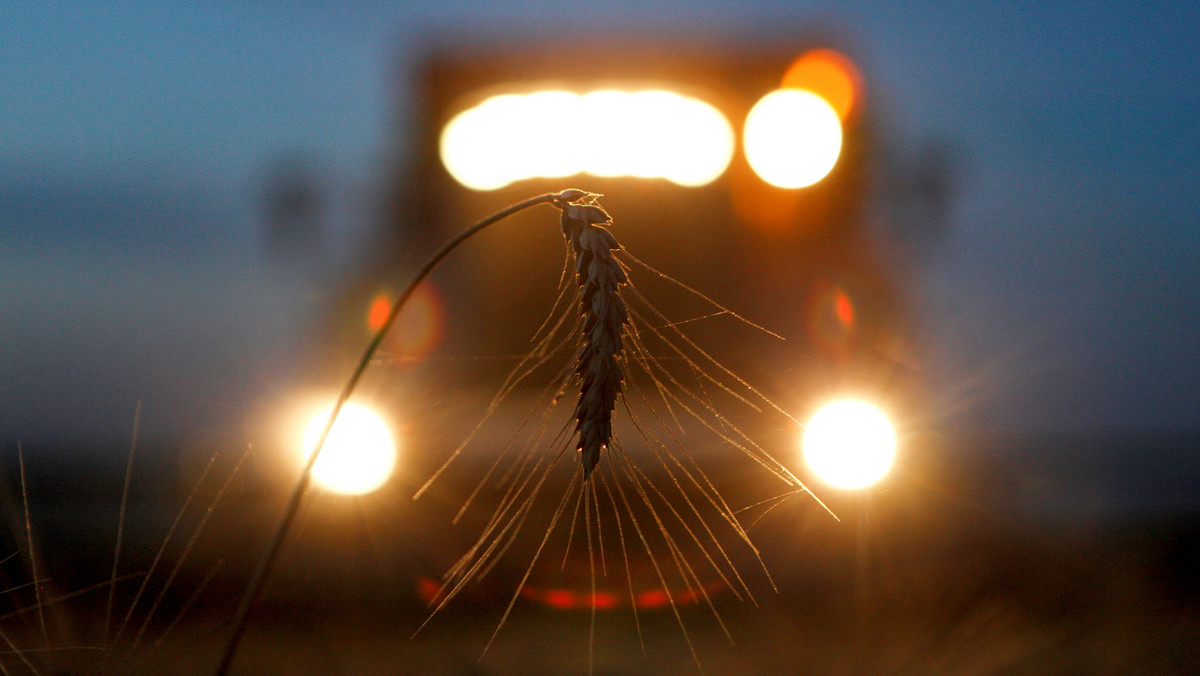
{"type": "Point", "coordinates": [849, 444]}
{"type": "Point", "coordinates": [549, 134]}
{"type": "Point", "coordinates": [792, 138]}
{"type": "Point", "coordinates": [359, 455]}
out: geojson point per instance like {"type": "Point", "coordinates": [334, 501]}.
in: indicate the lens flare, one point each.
{"type": "Point", "coordinates": [378, 311]}
{"type": "Point", "coordinates": [831, 76]}
{"type": "Point", "coordinates": [849, 444]}
{"type": "Point", "coordinates": [419, 327]}
{"type": "Point", "coordinates": [831, 318]}
{"type": "Point", "coordinates": [359, 455]}
{"type": "Point", "coordinates": [550, 134]}
{"type": "Point", "coordinates": [792, 138]}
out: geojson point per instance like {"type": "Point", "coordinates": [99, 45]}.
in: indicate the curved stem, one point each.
{"type": "Point", "coordinates": [271, 553]}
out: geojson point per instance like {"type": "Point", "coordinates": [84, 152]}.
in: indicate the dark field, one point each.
{"type": "Point", "coordinates": [1029, 555]}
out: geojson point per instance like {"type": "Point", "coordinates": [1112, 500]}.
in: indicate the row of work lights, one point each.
{"type": "Point", "coordinates": [791, 137]}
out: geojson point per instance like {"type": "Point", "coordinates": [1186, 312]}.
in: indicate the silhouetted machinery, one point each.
{"type": "Point", "coordinates": [744, 170]}
{"type": "Point", "coordinates": [741, 168]}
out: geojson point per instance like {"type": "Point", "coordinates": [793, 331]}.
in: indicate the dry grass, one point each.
{"type": "Point", "coordinates": [58, 626]}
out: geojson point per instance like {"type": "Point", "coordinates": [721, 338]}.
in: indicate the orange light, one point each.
{"type": "Point", "coordinates": [831, 76]}
{"type": "Point", "coordinates": [844, 309]}
{"type": "Point", "coordinates": [378, 312]}
{"type": "Point", "coordinates": [604, 600]}
{"type": "Point", "coordinates": [560, 599]}
{"type": "Point", "coordinates": [832, 318]}
{"type": "Point", "coordinates": [565, 599]}
{"type": "Point", "coordinates": [418, 329]}
{"type": "Point", "coordinates": [654, 598]}
{"type": "Point", "coordinates": [429, 590]}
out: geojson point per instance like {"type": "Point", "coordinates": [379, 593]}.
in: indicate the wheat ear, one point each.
{"type": "Point", "coordinates": [598, 363]}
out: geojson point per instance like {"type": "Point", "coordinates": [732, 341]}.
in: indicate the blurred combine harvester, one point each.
{"type": "Point", "coordinates": [745, 168]}
{"type": "Point", "coordinates": [742, 168]}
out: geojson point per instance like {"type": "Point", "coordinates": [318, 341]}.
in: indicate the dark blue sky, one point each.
{"type": "Point", "coordinates": [133, 138]}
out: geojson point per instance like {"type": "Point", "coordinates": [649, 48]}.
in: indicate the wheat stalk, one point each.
{"type": "Point", "coordinates": [563, 201]}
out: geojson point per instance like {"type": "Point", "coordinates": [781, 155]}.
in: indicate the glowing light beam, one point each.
{"type": "Point", "coordinates": [831, 76]}
{"type": "Point", "coordinates": [792, 138]}
{"type": "Point", "coordinates": [359, 454]}
{"type": "Point", "coordinates": [550, 134]}
{"type": "Point", "coordinates": [849, 444]}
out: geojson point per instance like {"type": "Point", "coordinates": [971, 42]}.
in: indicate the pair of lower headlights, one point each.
{"type": "Point", "coordinates": [848, 444]}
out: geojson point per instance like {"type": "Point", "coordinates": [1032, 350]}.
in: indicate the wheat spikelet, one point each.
{"type": "Point", "coordinates": [598, 369]}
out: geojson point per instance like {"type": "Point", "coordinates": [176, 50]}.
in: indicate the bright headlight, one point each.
{"type": "Point", "coordinates": [792, 138]}
{"type": "Point", "coordinates": [359, 454]}
{"type": "Point", "coordinates": [549, 134]}
{"type": "Point", "coordinates": [849, 444]}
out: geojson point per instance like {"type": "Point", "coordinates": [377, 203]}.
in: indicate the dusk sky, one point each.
{"type": "Point", "coordinates": [134, 138]}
